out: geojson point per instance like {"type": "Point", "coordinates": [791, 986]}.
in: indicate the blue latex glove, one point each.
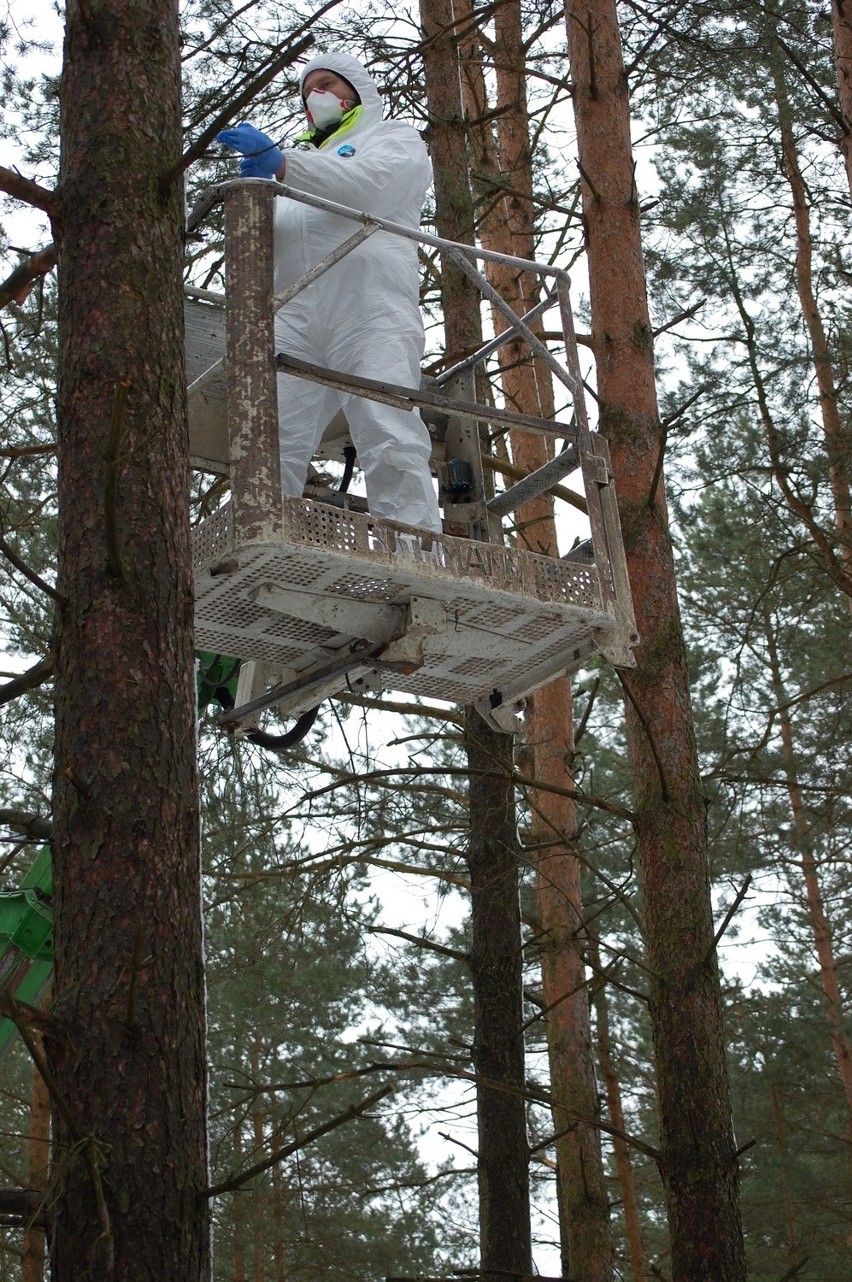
{"type": "Point", "coordinates": [261, 158]}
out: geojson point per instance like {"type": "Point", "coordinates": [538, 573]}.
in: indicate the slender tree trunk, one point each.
{"type": "Point", "coordinates": [837, 440]}
{"type": "Point", "coordinates": [495, 961]}
{"type": "Point", "coordinates": [802, 508]}
{"type": "Point", "coordinates": [128, 1053]}
{"type": "Point", "coordinates": [507, 226]}
{"type": "Point", "coordinates": [238, 1218]}
{"type": "Point", "coordinates": [817, 916]}
{"type": "Point", "coordinates": [278, 1223]}
{"type": "Point", "coordinates": [494, 853]}
{"type": "Point", "coordinates": [582, 1187]}
{"type": "Point", "coordinates": [32, 1260]}
{"type": "Point", "coordinates": [781, 1143]}
{"type": "Point", "coordinates": [841, 23]}
{"type": "Point", "coordinates": [698, 1157]}
{"type": "Point", "coordinates": [260, 1209]}
{"type": "Point", "coordinates": [612, 1084]}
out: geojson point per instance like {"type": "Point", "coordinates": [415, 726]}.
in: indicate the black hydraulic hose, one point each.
{"type": "Point", "coordinates": [224, 697]}
{"type": "Point", "coordinates": [276, 742]}
{"type": "Point", "coordinates": [294, 735]}
{"type": "Point", "coordinates": [349, 457]}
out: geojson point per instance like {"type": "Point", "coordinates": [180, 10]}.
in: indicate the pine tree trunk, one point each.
{"type": "Point", "coordinates": [841, 23]}
{"type": "Point", "coordinates": [781, 1144]}
{"type": "Point", "coordinates": [507, 226]}
{"type": "Point", "coordinates": [259, 1200]}
{"type": "Point", "coordinates": [820, 928]}
{"type": "Point", "coordinates": [582, 1187]}
{"type": "Point", "coordinates": [494, 853]}
{"type": "Point", "coordinates": [278, 1222]}
{"type": "Point", "coordinates": [836, 439]}
{"type": "Point", "coordinates": [698, 1158]}
{"type": "Point", "coordinates": [128, 1056]}
{"type": "Point", "coordinates": [238, 1210]}
{"type": "Point", "coordinates": [32, 1259]}
{"type": "Point", "coordinates": [612, 1085]}
{"type": "Point", "coordinates": [495, 962]}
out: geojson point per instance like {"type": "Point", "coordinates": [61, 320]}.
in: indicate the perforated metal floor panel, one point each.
{"type": "Point", "coordinates": [512, 621]}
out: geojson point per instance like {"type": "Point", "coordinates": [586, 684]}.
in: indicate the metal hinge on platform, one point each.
{"type": "Point", "coordinates": [505, 718]}
{"type": "Point", "coordinates": [424, 618]}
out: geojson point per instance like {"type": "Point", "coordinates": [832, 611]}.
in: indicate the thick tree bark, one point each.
{"type": "Point", "coordinates": [494, 853]}
{"type": "Point", "coordinates": [698, 1162]}
{"type": "Point", "coordinates": [495, 963]}
{"type": "Point", "coordinates": [128, 1058]}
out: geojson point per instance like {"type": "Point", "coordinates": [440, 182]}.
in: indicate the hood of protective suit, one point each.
{"type": "Point", "coordinates": [343, 64]}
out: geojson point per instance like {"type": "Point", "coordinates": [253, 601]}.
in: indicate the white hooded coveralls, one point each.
{"type": "Point", "coordinates": [362, 316]}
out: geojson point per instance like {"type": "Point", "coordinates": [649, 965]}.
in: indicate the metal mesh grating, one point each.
{"type": "Point", "coordinates": [237, 612]}
{"type": "Point", "coordinates": [435, 688]}
{"type": "Point", "coordinates": [222, 642]}
{"type": "Point", "coordinates": [310, 634]}
{"type": "Point", "coordinates": [323, 526]}
{"type": "Point", "coordinates": [538, 628]}
{"type": "Point", "coordinates": [496, 617]}
{"type": "Point", "coordinates": [513, 619]}
{"type": "Point", "coordinates": [581, 587]}
{"type": "Point", "coordinates": [473, 668]}
{"type": "Point", "coordinates": [300, 573]}
{"type": "Point", "coordinates": [361, 588]}
{"type": "Point", "coordinates": [212, 539]}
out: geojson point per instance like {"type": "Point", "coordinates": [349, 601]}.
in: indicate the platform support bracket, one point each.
{"type": "Point", "coordinates": [424, 618]}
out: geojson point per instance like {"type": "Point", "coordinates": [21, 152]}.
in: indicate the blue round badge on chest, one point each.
{"type": "Point", "coordinates": [346, 150]}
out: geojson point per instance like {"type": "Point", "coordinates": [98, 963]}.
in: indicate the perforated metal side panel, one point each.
{"type": "Point", "coordinates": [513, 620]}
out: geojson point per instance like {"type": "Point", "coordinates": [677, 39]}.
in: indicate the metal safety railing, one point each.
{"type": "Point", "coordinates": [251, 375]}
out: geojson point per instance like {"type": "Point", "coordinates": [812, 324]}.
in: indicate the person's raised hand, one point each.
{"type": "Point", "coordinates": [260, 156]}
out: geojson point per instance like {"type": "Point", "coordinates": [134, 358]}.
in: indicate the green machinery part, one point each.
{"type": "Point", "coordinates": [26, 938]}
{"type": "Point", "coordinates": [26, 915]}
{"type": "Point", "coordinates": [216, 680]}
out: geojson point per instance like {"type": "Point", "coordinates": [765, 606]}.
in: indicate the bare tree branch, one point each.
{"type": "Point", "coordinates": [422, 942]}
{"type": "Point", "coordinates": [244, 1177]}
{"type": "Point", "coordinates": [34, 578]}
{"type": "Point", "coordinates": [35, 676]}
{"type": "Point", "coordinates": [31, 826]}
{"type": "Point", "coordinates": [234, 107]}
{"type": "Point", "coordinates": [24, 189]}
{"type": "Point", "coordinates": [18, 284]}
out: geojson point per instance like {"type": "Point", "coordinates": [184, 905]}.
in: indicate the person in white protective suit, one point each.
{"type": "Point", "coordinates": [362, 316]}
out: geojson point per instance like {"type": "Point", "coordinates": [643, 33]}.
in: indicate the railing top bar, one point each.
{"type": "Point", "coordinates": [396, 229]}
{"type": "Point", "coordinates": [205, 295]}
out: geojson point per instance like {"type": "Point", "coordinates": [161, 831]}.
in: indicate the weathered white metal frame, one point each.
{"type": "Point", "coordinates": [256, 510]}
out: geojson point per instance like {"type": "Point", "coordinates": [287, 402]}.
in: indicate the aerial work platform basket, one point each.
{"type": "Point", "coordinates": [324, 599]}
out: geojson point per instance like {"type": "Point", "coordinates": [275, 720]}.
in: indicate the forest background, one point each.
{"type": "Point", "coordinates": [322, 978]}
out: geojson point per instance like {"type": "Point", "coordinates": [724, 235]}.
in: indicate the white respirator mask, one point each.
{"type": "Point", "coordinates": [325, 109]}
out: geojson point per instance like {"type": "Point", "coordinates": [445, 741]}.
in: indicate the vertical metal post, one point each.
{"type": "Point", "coordinates": [596, 474]}
{"type": "Point", "coordinates": [626, 634]}
{"type": "Point", "coordinates": [252, 393]}
{"type": "Point", "coordinates": [462, 442]}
